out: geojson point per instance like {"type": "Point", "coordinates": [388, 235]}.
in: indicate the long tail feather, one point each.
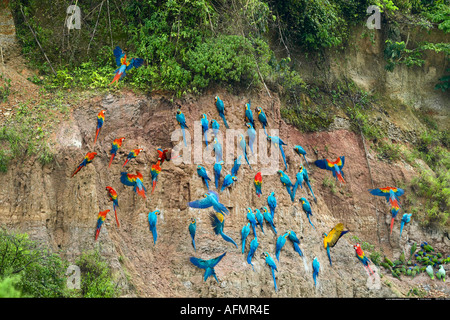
{"type": "Point", "coordinates": [392, 224]}
{"type": "Point", "coordinates": [96, 135]}
{"type": "Point", "coordinates": [224, 121]}
{"type": "Point", "coordinates": [97, 232]}
{"type": "Point", "coordinates": [274, 280]}
{"type": "Point", "coordinates": [76, 171]}
{"type": "Point", "coordinates": [228, 239]}
{"type": "Point", "coordinates": [117, 219]}
{"type": "Point", "coordinates": [116, 78]}
{"type": "Point", "coordinates": [184, 136]}
{"type": "Point", "coordinates": [110, 161]}
{"type": "Point", "coordinates": [126, 161]}
{"type": "Point", "coordinates": [329, 255]}
{"type": "Point", "coordinates": [154, 185]}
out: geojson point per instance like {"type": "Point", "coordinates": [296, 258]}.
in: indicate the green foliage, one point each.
{"type": "Point", "coordinates": [444, 82]}
{"type": "Point", "coordinates": [8, 287]}
{"type": "Point", "coordinates": [439, 14]}
{"type": "Point", "coordinates": [5, 89]}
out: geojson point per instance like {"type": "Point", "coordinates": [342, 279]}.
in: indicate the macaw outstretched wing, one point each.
{"type": "Point", "coordinates": [135, 63]}
{"type": "Point", "coordinates": [329, 165]}
{"type": "Point", "coordinates": [200, 204]}
{"type": "Point", "coordinates": [118, 54]}
{"type": "Point", "coordinates": [203, 264]}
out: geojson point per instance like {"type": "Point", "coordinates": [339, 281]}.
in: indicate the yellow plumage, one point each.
{"type": "Point", "coordinates": [333, 236]}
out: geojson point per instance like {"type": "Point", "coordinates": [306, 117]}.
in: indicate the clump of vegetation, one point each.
{"type": "Point", "coordinates": [5, 89]}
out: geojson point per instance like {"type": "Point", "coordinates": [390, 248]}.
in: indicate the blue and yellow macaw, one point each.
{"type": "Point", "coordinates": [308, 183]}
{"type": "Point", "coordinates": [390, 193]}
{"type": "Point", "coordinates": [295, 241]}
{"type": "Point", "coordinates": [253, 246]}
{"type": "Point", "coordinates": [100, 121]}
{"type": "Point", "coordinates": [218, 152]}
{"type": "Point", "coordinates": [134, 180]}
{"type": "Point", "coordinates": [249, 115]}
{"type": "Point", "coordinates": [215, 127]}
{"type": "Point", "coordinates": [208, 265]}
{"type": "Point", "coordinates": [316, 268]}
{"type": "Point", "coordinates": [260, 219]}
{"type": "Point", "coordinates": [218, 222]}
{"type": "Point", "coordinates": [272, 202]}
{"type": "Point", "coordinates": [243, 146]}
{"type": "Point", "coordinates": [262, 118]}
{"type": "Point", "coordinates": [279, 143]}
{"type": "Point", "coordinates": [258, 184]}
{"type": "Point", "coordinates": [192, 230]}
{"type": "Point", "coordinates": [217, 171]}
{"type": "Point", "coordinates": [307, 209]}
{"type": "Point", "coordinates": [269, 218]}
{"type": "Point", "coordinates": [251, 136]}
{"type": "Point", "coordinates": [201, 171]}
{"type": "Point", "coordinates": [252, 219]}
{"type": "Point", "coordinates": [335, 167]}
{"type": "Point", "coordinates": [244, 234]}
{"type": "Point", "coordinates": [405, 219]}
{"type": "Point", "coordinates": [286, 181]}
{"type": "Point", "coordinates": [221, 109]}
{"type": "Point", "coordinates": [123, 64]}
{"type": "Point", "coordinates": [300, 151]}
{"type": "Point", "coordinates": [298, 182]}
{"type": "Point", "coordinates": [281, 241]}
{"type": "Point", "coordinates": [236, 165]}
{"type": "Point", "coordinates": [205, 127]}
{"type": "Point", "coordinates": [330, 239]}
{"type": "Point", "coordinates": [228, 181]}
{"type": "Point", "coordinates": [182, 122]}
{"type": "Point", "coordinates": [210, 199]}
{"type": "Point", "coordinates": [152, 219]}
{"type": "Point", "coordinates": [273, 267]}
{"type": "Point", "coordinates": [362, 257]}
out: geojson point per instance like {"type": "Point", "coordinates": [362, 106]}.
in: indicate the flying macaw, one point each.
{"type": "Point", "coordinates": [217, 222]}
{"type": "Point", "coordinates": [123, 64]}
{"type": "Point", "coordinates": [253, 246]}
{"type": "Point", "coordinates": [330, 239]}
{"type": "Point", "coordinates": [269, 218]}
{"type": "Point", "coordinates": [295, 241]}
{"type": "Point", "coordinates": [218, 150]}
{"type": "Point", "coordinates": [236, 165]}
{"type": "Point", "coordinates": [182, 122]}
{"type": "Point", "coordinates": [335, 167]}
{"type": "Point", "coordinates": [205, 124]}
{"type": "Point", "coordinates": [260, 218]}
{"type": "Point", "coordinates": [278, 142]}
{"type": "Point", "coordinates": [251, 136]}
{"type": "Point", "coordinates": [286, 181]}
{"type": "Point", "coordinates": [243, 146]}
{"type": "Point", "coordinates": [228, 181]}
{"type": "Point", "coordinates": [244, 234]}
{"type": "Point", "coordinates": [307, 209]}
{"type": "Point", "coordinates": [201, 171]}
{"type": "Point", "coordinates": [152, 219]}
{"type": "Point", "coordinates": [162, 155]}
{"type": "Point", "coordinates": [217, 171]}
{"type": "Point", "coordinates": [155, 170]}
{"type": "Point", "coordinates": [281, 241]}
{"type": "Point", "coordinates": [316, 268]}
{"type": "Point", "coordinates": [362, 257]}
{"type": "Point", "coordinates": [221, 109]}
{"type": "Point", "coordinates": [87, 159]}
{"type": "Point", "coordinates": [390, 193]}
{"type": "Point", "coordinates": [258, 184]}
{"type": "Point", "coordinates": [394, 211]}
{"type": "Point", "coordinates": [210, 199]}
{"type": "Point", "coordinates": [192, 229]}
{"type": "Point", "coordinates": [133, 154]}
{"type": "Point", "coordinates": [308, 183]}
{"type": "Point", "coordinates": [100, 121]}
{"type": "Point", "coordinates": [273, 267]}
{"type": "Point", "coordinates": [117, 143]}
{"type": "Point", "coordinates": [272, 202]}
{"type": "Point", "coordinates": [249, 115]}
{"type": "Point", "coordinates": [134, 180]}
{"type": "Point", "coordinates": [252, 219]}
{"type": "Point", "coordinates": [215, 127]}
{"type": "Point", "coordinates": [101, 218]}
{"type": "Point", "coordinates": [208, 265]}
{"type": "Point", "coordinates": [113, 197]}
{"type": "Point", "coordinates": [300, 151]}
{"type": "Point", "coordinates": [262, 118]}
{"type": "Point", "coordinates": [405, 219]}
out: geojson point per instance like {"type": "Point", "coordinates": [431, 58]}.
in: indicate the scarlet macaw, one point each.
{"type": "Point", "coordinates": [394, 211]}
{"type": "Point", "coordinates": [133, 154]}
{"type": "Point", "coordinates": [100, 121]}
{"type": "Point", "coordinates": [335, 167]}
{"type": "Point", "coordinates": [117, 143]}
{"type": "Point", "coordinates": [155, 170]}
{"type": "Point", "coordinates": [330, 239]}
{"type": "Point", "coordinates": [123, 64]}
{"type": "Point", "coordinates": [258, 183]}
{"type": "Point", "coordinates": [362, 257]}
{"type": "Point", "coordinates": [101, 218]}
{"type": "Point", "coordinates": [113, 197]}
{"type": "Point", "coordinates": [87, 159]}
{"type": "Point", "coordinates": [134, 180]}
{"type": "Point", "coordinates": [390, 193]}
{"type": "Point", "coordinates": [162, 155]}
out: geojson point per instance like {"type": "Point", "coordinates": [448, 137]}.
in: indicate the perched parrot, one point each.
{"type": "Point", "coordinates": [205, 128]}
{"type": "Point", "coordinates": [182, 122]}
{"type": "Point", "coordinates": [258, 183]}
{"type": "Point", "coordinates": [251, 136]}
{"type": "Point", "coordinates": [113, 197]}
{"type": "Point", "coordinates": [425, 246]}
{"type": "Point", "coordinates": [278, 142]}
{"type": "Point", "coordinates": [286, 181]}
{"type": "Point", "coordinates": [298, 182]}
{"type": "Point", "coordinates": [316, 268]}
{"type": "Point", "coordinates": [405, 219]}
{"type": "Point", "coordinates": [217, 171]}
{"type": "Point", "coordinates": [430, 272]}
{"type": "Point", "coordinates": [252, 219]}
{"type": "Point", "coordinates": [228, 181]}
{"type": "Point", "coordinates": [307, 209]}
{"type": "Point", "coordinates": [132, 155]}
{"type": "Point", "coordinates": [101, 218]}
{"type": "Point", "coordinates": [394, 211]}
{"type": "Point", "coordinates": [335, 167]}
{"type": "Point", "coordinates": [260, 218]}
{"type": "Point", "coordinates": [330, 239]}
{"type": "Point", "coordinates": [249, 115]}
{"type": "Point", "coordinates": [273, 267]}
{"type": "Point", "coordinates": [87, 159]}
{"type": "Point", "coordinates": [390, 193]}
{"type": "Point", "coordinates": [295, 241]}
{"type": "Point", "coordinates": [281, 241]}
{"type": "Point", "coordinates": [210, 199]}
{"type": "Point", "coordinates": [154, 171]}
{"type": "Point", "coordinates": [272, 202]}
{"type": "Point", "coordinates": [100, 121]}
{"type": "Point", "coordinates": [208, 265]}
{"type": "Point", "coordinates": [218, 150]}
{"type": "Point", "coordinates": [362, 257]}
{"type": "Point", "coordinates": [262, 118]}
{"type": "Point", "coordinates": [253, 246]}
{"type": "Point", "coordinates": [244, 234]}
{"type": "Point", "coordinates": [162, 155]}
{"type": "Point", "coordinates": [192, 229]}
{"type": "Point", "coordinates": [243, 146]}
{"type": "Point", "coordinates": [236, 165]}
{"type": "Point", "coordinates": [221, 109]}
{"type": "Point", "coordinates": [123, 64]}
{"type": "Point", "coordinates": [300, 151]}
{"type": "Point", "coordinates": [201, 171]}
{"type": "Point", "coordinates": [308, 183]}
{"type": "Point", "coordinates": [134, 180]}
{"type": "Point", "coordinates": [215, 127]}
{"type": "Point", "coordinates": [117, 143]}
{"type": "Point", "coordinates": [217, 222]}
{"type": "Point", "coordinates": [269, 218]}
{"type": "Point", "coordinates": [152, 219]}
{"type": "Point", "coordinates": [440, 274]}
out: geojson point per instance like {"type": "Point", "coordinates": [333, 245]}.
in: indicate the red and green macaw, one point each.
{"type": "Point", "coordinates": [155, 170]}
{"type": "Point", "coordinates": [100, 121]}
{"type": "Point", "coordinates": [133, 154]}
{"type": "Point", "coordinates": [101, 218]}
{"type": "Point", "coordinates": [134, 180]}
{"type": "Point", "coordinates": [362, 257]}
{"type": "Point", "coordinates": [330, 239]}
{"type": "Point", "coordinates": [123, 64]}
{"type": "Point", "coordinates": [258, 183]}
{"type": "Point", "coordinates": [87, 159]}
{"type": "Point", "coordinates": [390, 193]}
{"type": "Point", "coordinates": [334, 166]}
{"type": "Point", "coordinates": [113, 197]}
{"type": "Point", "coordinates": [162, 155]}
{"type": "Point", "coordinates": [117, 143]}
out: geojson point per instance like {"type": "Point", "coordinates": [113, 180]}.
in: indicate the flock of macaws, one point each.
{"type": "Point", "coordinates": [210, 199]}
